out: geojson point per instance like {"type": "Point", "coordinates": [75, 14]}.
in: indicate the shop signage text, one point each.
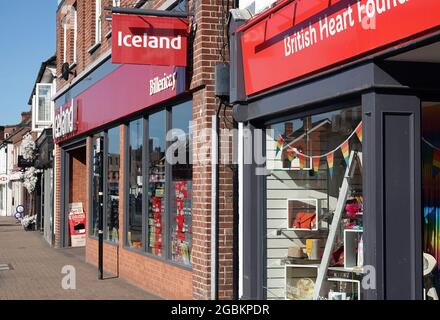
{"type": "Point", "coordinates": [325, 36]}
{"type": "Point", "coordinates": [149, 40]}
{"type": "Point", "coordinates": [159, 84]}
{"type": "Point", "coordinates": [65, 120]}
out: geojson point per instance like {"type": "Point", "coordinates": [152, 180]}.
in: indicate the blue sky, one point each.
{"type": "Point", "coordinates": [27, 38]}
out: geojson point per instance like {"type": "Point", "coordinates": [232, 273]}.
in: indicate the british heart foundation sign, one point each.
{"type": "Point", "coordinates": [149, 40]}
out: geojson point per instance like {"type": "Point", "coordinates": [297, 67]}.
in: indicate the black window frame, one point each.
{"type": "Point", "coordinates": [104, 185]}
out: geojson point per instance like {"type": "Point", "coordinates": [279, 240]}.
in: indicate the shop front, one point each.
{"type": "Point", "coordinates": [112, 135]}
{"type": "Point", "coordinates": [339, 197]}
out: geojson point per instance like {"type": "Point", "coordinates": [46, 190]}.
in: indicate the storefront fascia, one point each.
{"type": "Point", "coordinates": [389, 93]}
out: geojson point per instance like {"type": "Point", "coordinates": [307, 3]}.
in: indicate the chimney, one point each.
{"type": "Point", "coordinates": [26, 116]}
{"type": "Point", "coordinates": [288, 128]}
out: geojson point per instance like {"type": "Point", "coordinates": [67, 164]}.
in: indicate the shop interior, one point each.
{"type": "Point", "coordinates": [76, 206]}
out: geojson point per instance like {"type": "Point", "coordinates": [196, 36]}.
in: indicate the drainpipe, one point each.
{"type": "Point", "coordinates": [214, 203]}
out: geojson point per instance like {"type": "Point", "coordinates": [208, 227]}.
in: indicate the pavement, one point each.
{"type": "Point", "coordinates": [31, 270]}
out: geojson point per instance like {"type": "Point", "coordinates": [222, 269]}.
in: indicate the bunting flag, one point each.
{"type": "Point", "coordinates": [436, 161]}
{"type": "Point", "coordinates": [302, 161]}
{"type": "Point", "coordinates": [345, 148]}
{"type": "Point", "coordinates": [330, 158]}
{"type": "Point", "coordinates": [359, 132]}
{"type": "Point", "coordinates": [316, 161]}
{"type": "Point", "coordinates": [290, 154]}
{"type": "Point", "coordinates": [279, 145]}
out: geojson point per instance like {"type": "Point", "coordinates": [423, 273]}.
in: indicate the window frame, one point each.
{"type": "Point", "coordinates": [105, 185]}
{"type": "Point", "coordinates": [37, 105]}
{"type": "Point", "coordinates": [98, 22]}
{"type": "Point", "coordinates": [75, 36]}
{"type": "Point", "coordinates": [64, 26]}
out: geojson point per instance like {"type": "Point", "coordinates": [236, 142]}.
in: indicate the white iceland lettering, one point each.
{"type": "Point", "coordinates": [146, 41]}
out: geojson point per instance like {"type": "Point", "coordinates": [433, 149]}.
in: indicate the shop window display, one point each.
{"type": "Point", "coordinates": [114, 156]}
{"type": "Point", "coordinates": [98, 169]}
{"type": "Point", "coordinates": [134, 229]}
{"type": "Point", "coordinates": [156, 183]}
{"type": "Point", "coordinates": [308, 159]}
{"type": "Point", "coordinates": [430, 147]}
{"type": "Point", "coordinates": [181, 207]}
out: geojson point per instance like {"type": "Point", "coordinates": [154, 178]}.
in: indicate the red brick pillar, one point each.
{"type": "Point", "coordinates": [206, 55]}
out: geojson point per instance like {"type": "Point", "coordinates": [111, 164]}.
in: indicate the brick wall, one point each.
{"type": "Point", "coordinates": [149, 273]}
{"type": "Point", "coordinates": [205, 56]}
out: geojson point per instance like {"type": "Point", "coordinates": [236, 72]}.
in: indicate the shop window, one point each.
{"type": "Point", "coordinates": [156, 182]}
{"type": "Point", "coordinates": [308, 159]}
{"type": "Point", "coordinates": [134, 230]}
{"type": "Point", "coordinates": [165, 200]}
{"type": "Point", "coordinates": [97, 186]}
{"type": "Point", "coordinates": [181, 187]}
{"type": "Point", "coordinates": [430, 147]}
{"type": "Point", "coordinates": [112, 223]}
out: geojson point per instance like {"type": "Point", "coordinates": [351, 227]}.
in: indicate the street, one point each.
{"type": "Point", "coordinates": [30, 269]}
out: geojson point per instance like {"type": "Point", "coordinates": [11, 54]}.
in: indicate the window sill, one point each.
{"type": "Point", "coordinates": [161, 259]}
{"type": "Point", "coordinates": [93, 48]}
{"type": "Point", "coordinates": [112, 243]}
{"type": "Point", "coordinates": [73, 65]}
{"type": "Point", "coordinates": [108, 35]}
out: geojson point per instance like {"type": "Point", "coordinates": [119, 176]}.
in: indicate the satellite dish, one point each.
{"type": "Point", "coordinates": [65, 71]}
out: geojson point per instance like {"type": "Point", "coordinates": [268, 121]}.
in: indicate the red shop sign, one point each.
{"type": "Point", "coordinates": [158, 41]}
{"type": "Point", "coordinates": [300, 38]}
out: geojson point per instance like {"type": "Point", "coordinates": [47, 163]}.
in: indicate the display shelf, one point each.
{"type": "Point", "coordinates": [354, 292]}
{"type": "Point", "coordinates": [300, 281]}
{"type": "Point", "coordinates": [302, 212]}
{"type": "Point", "coordinates": [352, 239]}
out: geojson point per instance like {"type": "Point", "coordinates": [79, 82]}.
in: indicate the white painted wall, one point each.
{"type": "Point", "coordinates": [257, 5]}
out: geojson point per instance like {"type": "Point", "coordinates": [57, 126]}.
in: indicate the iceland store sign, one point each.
{"type": "Point", "coordinates": [160, 41]}
{"type": "Point", "coordinates": [65, 121]}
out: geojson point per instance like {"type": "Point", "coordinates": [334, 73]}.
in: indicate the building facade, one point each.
{"type": "Point", "coordinates": [110, 154]}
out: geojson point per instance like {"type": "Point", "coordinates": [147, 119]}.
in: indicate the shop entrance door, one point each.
{"type": "Point", "coordinates": [75, 206]}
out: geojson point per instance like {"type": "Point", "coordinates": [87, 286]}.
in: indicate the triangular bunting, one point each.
{"type": "Point", "coordinates": [345, 148]}
{"type": "Point", "coordinates": [302, 161]}
{"type": "Point", "coordinates": [290, 154]}
{"type": "Point", "coordinates": [316, 162]}
{"type": "Point", "coordinates": [330, 158]}
{"type": "Point", "coordinates": [279, 144]}
{"type": "Point", "coordinates": [359, 132]}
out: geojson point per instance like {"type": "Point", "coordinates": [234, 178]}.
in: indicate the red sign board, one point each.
{"type": "Point", "coordinates": [149, 40]}
{"type": "Point", "coordinates": [125, 91]}
{"type": "Point", "coordinates": [300, 38]}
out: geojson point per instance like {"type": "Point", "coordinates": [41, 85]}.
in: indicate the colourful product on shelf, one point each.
{"type": "Point", "coordinates": [305, 220]}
